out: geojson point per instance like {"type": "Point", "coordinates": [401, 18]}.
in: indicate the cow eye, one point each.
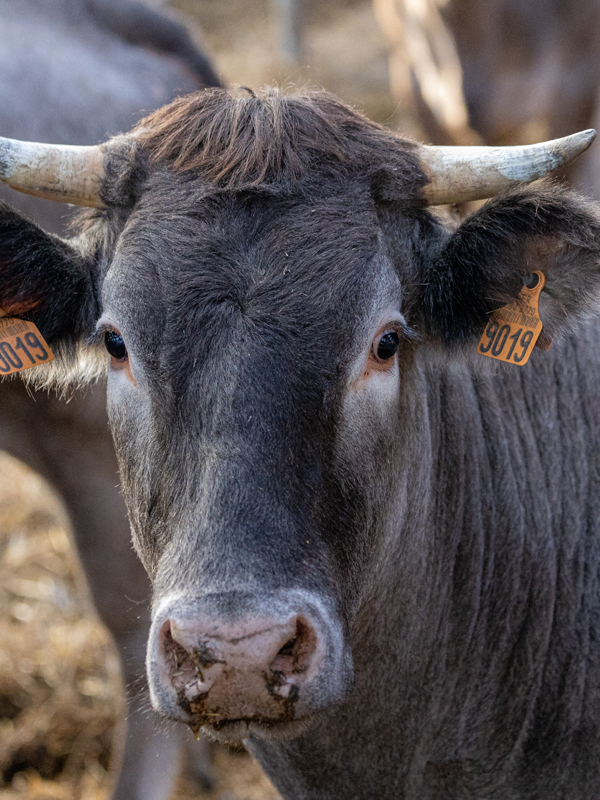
{"type": "Point", "coordinates": [386, 345]}
{"type": "Point", "coordinates": [115, 345]}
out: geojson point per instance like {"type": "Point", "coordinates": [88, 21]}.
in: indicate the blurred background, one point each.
{"type": "Point", "coordinates": [76, 71]}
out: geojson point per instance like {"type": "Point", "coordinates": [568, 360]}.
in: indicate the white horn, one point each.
{"type": "Point", "coordinates": [460, 174]}
{"type": "Point", "coordinates": [64, 173]}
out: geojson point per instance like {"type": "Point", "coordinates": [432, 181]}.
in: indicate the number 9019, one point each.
{"type": "Point", "coordinates": [506, 344]}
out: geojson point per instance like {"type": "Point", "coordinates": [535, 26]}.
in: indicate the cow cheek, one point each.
{"type": "Point", "coordinates": [131, 425]}
{"type": "Point", "coordinates": [368, 426]}
{"type": "Point", "coordinates": [365, 448]}
{"type": "Point", "coordinates": [127, 412]}
{"type": "Point", "coordinates": [371, 404]}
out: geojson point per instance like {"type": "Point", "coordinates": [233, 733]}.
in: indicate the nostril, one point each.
{"type": "Point", "coordinates": [288, 648]}
{"type": "Point", "coordinates": [295, 655]}
{"type": "Point", "coordinates": [189, 671]}
{"type": "Point", "coordinates": [176, 655]}
{"type": "Point", "coordinates": [180, 667]}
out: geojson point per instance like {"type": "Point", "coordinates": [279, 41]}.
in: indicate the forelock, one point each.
{"type": "Point", "coordinates": [272, 141]}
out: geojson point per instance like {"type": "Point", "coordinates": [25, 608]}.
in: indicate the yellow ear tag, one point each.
{"type": "Point", "coordinates": [513, 330]}
{"type": "Point", "coordinates": [22, 346]}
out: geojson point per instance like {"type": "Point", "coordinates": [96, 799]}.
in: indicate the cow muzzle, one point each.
{"type": "Point", "coordinates": [224, 664]}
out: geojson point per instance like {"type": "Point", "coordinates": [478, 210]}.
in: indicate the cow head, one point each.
{"type": "Point", "coordinates": [268, 281]}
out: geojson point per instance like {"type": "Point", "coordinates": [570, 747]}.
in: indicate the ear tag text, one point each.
{"type": "Point", "coordinates": [22, 346]}
{"type": "Point", "coordinates": [513, 330]}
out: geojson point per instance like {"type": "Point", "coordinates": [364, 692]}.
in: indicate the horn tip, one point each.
{"type": "Point", "coordinates": [582, 140]}
{"type": "Point", "coordinates": [571, 147]}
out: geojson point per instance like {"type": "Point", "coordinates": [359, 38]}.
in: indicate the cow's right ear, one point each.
{"type": "Point", "coordinates": [48, 281]}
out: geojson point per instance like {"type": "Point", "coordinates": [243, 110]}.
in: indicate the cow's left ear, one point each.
{"type": "Point", "coordinates": [49, 281]}
{"type": "Point", "coordinates": [482, 265]}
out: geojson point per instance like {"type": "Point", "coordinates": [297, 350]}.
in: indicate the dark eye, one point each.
{"type": "Point", "coordinates": [387, 345]}
{"type": "Point", "coordinates": [115, 345]}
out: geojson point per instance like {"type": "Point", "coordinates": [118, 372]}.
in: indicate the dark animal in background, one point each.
{"type": "Point", "coordinates": [73, 72]}
{"type": "Point", "coordinates": [373, 558]}
{"type": "Point", "coordinates": [501, 71]}
{"type": "Point", "coordinates": [531, 70]}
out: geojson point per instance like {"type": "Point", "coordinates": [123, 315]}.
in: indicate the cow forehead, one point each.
{"type": "Point", "coordinates": [300, 269]}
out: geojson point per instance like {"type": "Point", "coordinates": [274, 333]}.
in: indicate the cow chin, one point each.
{"type": "Point", "coordinates": [240, 664]}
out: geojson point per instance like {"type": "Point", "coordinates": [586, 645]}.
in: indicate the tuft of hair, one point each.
{"type": "Point", "coordinates": [68, 372]}
{"type": "Point", "coordinates": [266, 139]}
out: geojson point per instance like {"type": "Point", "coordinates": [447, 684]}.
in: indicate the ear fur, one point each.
{"type": "Point", "coordinates": [481, 265]}
{"type": "Point", "coordinates": [48, 281]}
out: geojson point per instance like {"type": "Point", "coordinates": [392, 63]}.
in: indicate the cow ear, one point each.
{"type": "Point", "coordinates": [49, 281]}
{"type": "Point", "coordinates": [482, 265]}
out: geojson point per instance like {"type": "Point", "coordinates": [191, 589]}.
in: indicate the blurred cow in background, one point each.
{"type": "Point", "coordinates": [498, 71]}
{"type": "Point", "coordinates": [75, 71]}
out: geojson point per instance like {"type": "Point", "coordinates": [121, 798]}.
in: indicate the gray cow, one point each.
{"type": "Point", "coordinates": [374, 558]}
{"type": "Point", "coordinates": [74, 72]}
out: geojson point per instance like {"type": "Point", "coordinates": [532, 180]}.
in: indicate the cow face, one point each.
{"type": "Point", "coordinates": [253, 396]}
{"type": "Point", "coordinates": [265, 310]}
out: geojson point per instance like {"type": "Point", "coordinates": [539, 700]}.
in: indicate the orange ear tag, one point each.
{"type": "Point", "coordinates": [513, 330]}
{"type": "Point", "coordinates": [22, 346]}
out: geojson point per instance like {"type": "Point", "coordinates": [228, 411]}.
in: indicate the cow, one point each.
{"type": "Point", "coordinates": [75, 72]}
{"type": "Point", "coordinates": [498, 71]}
{"type": "Point", "coordinates": [530, 69]}
{"type": "Point", "coordinates": [374, 552]}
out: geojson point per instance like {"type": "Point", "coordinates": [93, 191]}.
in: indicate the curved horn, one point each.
{"type": "Point", "coordinates": [460, 174]}
{"type": "Point", "coordinates": [64, 173]}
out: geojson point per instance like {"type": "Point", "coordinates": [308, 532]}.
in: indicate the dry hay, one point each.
{"type": "Point", "coordinates": [59, 682]}
{"type": "Point", "coordinates": [59, 676]}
